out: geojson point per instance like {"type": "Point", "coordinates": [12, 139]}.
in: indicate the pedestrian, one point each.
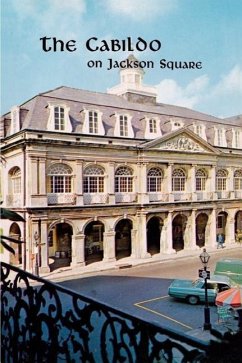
{"type": "Point", "coordinates": [220, 240]}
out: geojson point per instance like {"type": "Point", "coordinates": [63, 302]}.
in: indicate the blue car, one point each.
{"type": "Point", "coordinates": [193, 292]}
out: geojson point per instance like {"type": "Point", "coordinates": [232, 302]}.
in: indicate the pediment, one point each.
{"type": "Point", "coordinates": [183, 140]}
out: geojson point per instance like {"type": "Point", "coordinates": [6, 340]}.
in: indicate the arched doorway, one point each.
{"type": "Point", "coordinates": [178, 229]}
{"type": "Point", "coordinates": [59, 242]}
{"type": "Point", "coordinates": [238, 226]}
{"type": "Point", "coordinates": [15, 232]}
{"type": "Point", "coordinates": [94, 242]}
{"type": "Point", "coordinates": [123, 238]}
{"type": "Point", "coordinates": [221, 224]}
{"type": "Point", "coordinates": [201, 223]}
{"type": "Point", "coordinates": [154, 227]}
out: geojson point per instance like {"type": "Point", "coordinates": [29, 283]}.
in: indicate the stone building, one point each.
{"type": "Point", "coordinates": [117, 176]}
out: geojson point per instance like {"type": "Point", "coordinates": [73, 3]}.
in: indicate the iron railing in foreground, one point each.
{"type": "Point", "coordinates": [45, 322]}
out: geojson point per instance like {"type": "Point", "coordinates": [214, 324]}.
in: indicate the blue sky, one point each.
{"type": "Point", "coordinates": [209, 31]}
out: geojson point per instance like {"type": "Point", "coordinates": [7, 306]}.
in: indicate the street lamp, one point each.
{"type": "Point", "coordinates": [204, 257]}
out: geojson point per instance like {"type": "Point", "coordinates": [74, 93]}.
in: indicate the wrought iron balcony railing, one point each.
{"type": "Point", "coordinates": [45, 322]}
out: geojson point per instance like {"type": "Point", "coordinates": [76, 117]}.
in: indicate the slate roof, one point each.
{"type": "Point", "coordinates": [35, 112]}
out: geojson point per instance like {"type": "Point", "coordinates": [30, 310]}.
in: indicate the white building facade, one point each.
{"type": "Point", "coordinates": [117, 176]}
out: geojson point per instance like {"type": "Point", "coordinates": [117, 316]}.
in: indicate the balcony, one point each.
{"type": "Point", "coordinates": [182, 197]}
{"type": "Point", "coordinates": [223, 194]}
{"type": "Point", "coordinates": [95, 198]}
{"type": "Point", "coordinates": [158, 197]}
{"type": "Point", "coordinates": [125, 197]}
{"type": "Point", "coordinates": [45, 322]}
{"type": "Point", "coordinates": [61, 198]}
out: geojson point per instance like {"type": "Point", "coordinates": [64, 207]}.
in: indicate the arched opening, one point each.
{"type": "Point", "coordinates": [201, 224]}
{"type": "Point", "coordinates": [59, 242]}
{"type": "Point", "coordinates": [221, 224]}
{"type": "Point", "coordinates": [123, 238]}
{"type": "Point", "coordinates": [178, 229]}
{"type": "Point", "coordinates": [15, 232]}
{"type": "Point", "coordinates": [238, 227]}
{"type": "Point", "coordinates": [154, 227]}
{"type": "Point", "coordinates": [94, 242]}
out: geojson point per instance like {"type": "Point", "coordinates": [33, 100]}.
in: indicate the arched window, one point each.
{"type": "Point", "coordinates": [93, 181]}
{"type": "Point", "coordinates": [221, 179]}
{"type": "Point", "coordinates": [201, 178]}
{"type": "Point", "coordinates": [124, 180]}
{"type": "Point", "coordinates": [59, 118]}
{"type": "Point", "coordinates": [154, 179]}
{"type": "Point", "coordinates": [178, 180]}
{"type": "Point", "coordinates": [59, 179]}
{"type": "Point", "coordinates": [15, 180]}
{"type": "Point", "coordinates": [238, 179]}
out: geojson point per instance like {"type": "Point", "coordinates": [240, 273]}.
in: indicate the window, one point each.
{"type": "Point", "coordinates": [123, 180]}
{"type": "Point", "coordinates": [220, 221]}
{"type": "Point", "coordinates": [220, 137]}
{"type": "Point", "coordinates": [238, 179]}
{"type": "Point", "coordinates": [201, 178]}
{"type": "Point", "coordinates": [236, 138]}
{"type": "Point", "coordinates": [221, 179]}
{"type": "Point", "coordinates": [123, 125]}
{"type": "Point", "coordinates": [176, 124]}
{"type": "Point", "coordinates": [154, 179]}
{"type": "Point", "coordinates": [93, 180]}
{"type": "Point", "coordinates": [178, 180]}
{"type": "Point", "coordinates": [93, 122]}
{"type": "Point", "coordinates": [15, 180]}
{"type": "Point", "coordinates": [60, 179]}
{"type": "Point", "coordinates": [198, 130]}
{"type": "Point", "coordinates": [59, 118]}
{"type": "Point", "coordinates": [152, 126]}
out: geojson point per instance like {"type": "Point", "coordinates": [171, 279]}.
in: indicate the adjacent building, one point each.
{"type": "Point", "coordinates": [117, 176]}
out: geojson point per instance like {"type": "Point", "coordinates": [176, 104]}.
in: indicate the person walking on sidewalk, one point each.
{"type": "Point", "coordinates": [220, 240]}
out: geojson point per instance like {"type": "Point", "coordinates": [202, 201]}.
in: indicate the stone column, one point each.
{"type": "Point", "coordinates": [212, 177]}
{"type": "Point", "coordinates": [44, 247]}
{"type": "Point", "coordinates": [142, 235]}
{"type": "Point", "coordinates": [192, 187]}
{"type": "Point", "coordinates": [169, 182]}
{"type": "Point", "coordinates": [166, 245]}
{"type": "Point", "coordinates": [111, 182]}
{"type": "Point", "coordinates": [230, 186]}
{"type": "Point", "coordinates": [109, 246]}
{"type": "Point", "coordinates": [142, 183]}
{"type": "Point", "coordinates": [78, 186]}
{"type": "Point", "coordinates": [210, 234]}
{"type": "Point", "coordinates": [230, 227]}
{"type": "Point", "coordinates": [78, 250]}
{"type": "Point", "coordinates": [190, 232]}
{"type": "Point", "coordinates": [34, 175]}
{"type": "Point", "coordinates": [42, 176]}
{"type": "Point", "coordinates": [134, 244]}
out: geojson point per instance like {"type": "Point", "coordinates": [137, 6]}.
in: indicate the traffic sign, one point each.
{"type": "Point", "coordinates": [204, 274]}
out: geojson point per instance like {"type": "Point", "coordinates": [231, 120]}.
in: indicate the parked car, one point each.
{"type": "Point", "coordinates": [230, 267]}
{"type": "Point", "coordinates": [194, 291]}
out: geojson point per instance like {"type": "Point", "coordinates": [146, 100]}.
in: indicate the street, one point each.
{"type": "Point", "coordinates": [142, 290]}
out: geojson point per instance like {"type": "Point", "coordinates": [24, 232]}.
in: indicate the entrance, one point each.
{"type": "Point", "coordinates": [123, 238]}
{"type": "Point", "coordinates": [178, 228]}
{"type": "Point", "coordinates": [15, 233]}
{"type": "Point", "coordinates": [154, 227]}
{"type": "Point", "coordinates": [201, 223]}
{"type": "Point", "coordinates": [59, 241]}
{"type": "Point", "coordinates": [94, 242]}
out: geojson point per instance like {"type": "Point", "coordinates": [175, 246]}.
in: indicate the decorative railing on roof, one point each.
{"type": "Point", "coordinates": [45, 322]}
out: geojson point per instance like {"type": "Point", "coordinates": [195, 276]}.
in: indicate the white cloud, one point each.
{"type": "Point", "coordinates": [231, 82]}
{"type": "Point", "coordinates": [140, 9]}
{"type": "Point", "coordinates": [199, 92]}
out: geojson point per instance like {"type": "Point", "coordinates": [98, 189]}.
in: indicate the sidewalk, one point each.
{"type": "Point", "coordinates": [67, 273]}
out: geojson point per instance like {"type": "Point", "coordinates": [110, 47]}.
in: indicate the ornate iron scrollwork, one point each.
{"type": "Point", "coordinates": [45, 322]}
